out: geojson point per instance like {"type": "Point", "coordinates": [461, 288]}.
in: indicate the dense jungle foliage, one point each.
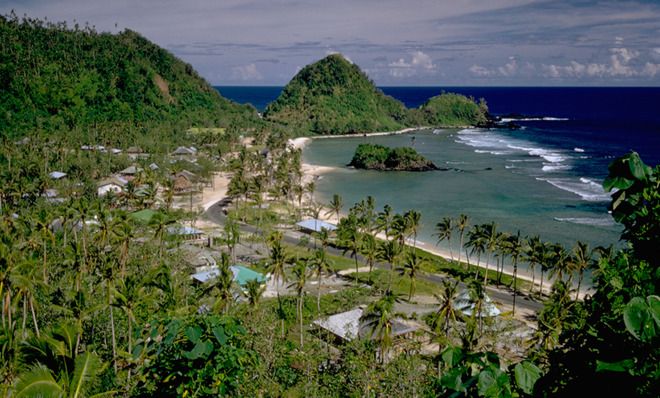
{"type": "Point", "coordinates": [333, 96]}
{"type": "Point", "coordinates": [54, 77]}
{"type": "Point", "coordinates": [96, 302]}
{"type": "Point", "coordinates": [451, 110]}
{"type": "Point", "coordinates": [379, 157]}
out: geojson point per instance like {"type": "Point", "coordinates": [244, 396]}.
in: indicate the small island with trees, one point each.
{"type": "Point", "coordinates": [379, 157]}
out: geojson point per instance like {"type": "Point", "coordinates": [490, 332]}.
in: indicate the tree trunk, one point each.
{"type": "Point", "coordinates": [515, 275]}
{"type": "Point", "coordinates": [34, 317]}
{"type": "Point", "coordinates": [531, 289]}
{"type": "Point", "coordinates": [541, 284]}
{"type": "Point", "coordinates": [486, 272]}
{"type": "Point", "coordinates": [577, 292]}
{"type": "Point", "coordinates": [318, 295]}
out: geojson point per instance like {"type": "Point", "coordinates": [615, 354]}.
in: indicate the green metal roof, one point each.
{"type": "Point", "coordinates": [242, 275]}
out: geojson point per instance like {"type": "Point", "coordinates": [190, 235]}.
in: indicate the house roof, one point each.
{"type": "Point", "coordinates": [465, 304]}
{"type": "Point", "coordinates": [115, 180]}
{"type": "Point", "coordinates": [348, 326]}
{"type": "Point", "coordinates": [130, 170]}
{"type": "Point", "coordinates": [56, 175]}
{"type": "Point", "coordinates": [242, 275]}
{"type": "Point", "coordinates": [182, 150]}
{"type": "Point", "coordinates": [143, 215]}
{"type": "Point", "coordinates": [183, 230]}
{"type": "Point", "coordinates": [154, 166]}
{"type": "Point", "coordinates": [316, 225]}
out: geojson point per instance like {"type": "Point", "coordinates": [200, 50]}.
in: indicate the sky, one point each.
{"type": "Point", "coordinates": [396, 42]}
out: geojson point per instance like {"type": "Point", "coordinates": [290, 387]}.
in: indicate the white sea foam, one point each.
{"type": "Point", "coordinates": [554, 167]}
{"type": "Point", "coordinates": [534, 119]}
{"type": "Point", "coordinates": [596, 221]}
{"type": "Point", "coordinates": [509, 166]}
{"type": "Point", "coordinates": [576, 149]}
{"type": "Point", "coordinates": [585, 188]}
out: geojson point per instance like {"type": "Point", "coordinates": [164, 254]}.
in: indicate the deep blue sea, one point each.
{"type": "Point", "coordinates": [609, 121]}
{"type": "Point", "coordinates": [544, 178]}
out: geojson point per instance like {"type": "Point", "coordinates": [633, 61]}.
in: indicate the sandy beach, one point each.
{"type": "Point", "coordinates": [312, 172]}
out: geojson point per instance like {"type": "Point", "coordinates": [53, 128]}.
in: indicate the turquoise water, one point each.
{"type": "Point", "coordinates": [493, 176]}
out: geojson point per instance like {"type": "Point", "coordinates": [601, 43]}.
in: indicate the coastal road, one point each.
{"type": "Point", "coordinates": [502, 295]}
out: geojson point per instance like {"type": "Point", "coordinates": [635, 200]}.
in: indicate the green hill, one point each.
{"type": "Point", "coordinates": [53, 77]}
{"type": "Point", "coordinates": [333, 96]}
{"type": "Point", "coordinates": [451, 110]}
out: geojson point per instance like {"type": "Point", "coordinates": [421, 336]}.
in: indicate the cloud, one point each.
{"type": "Point", "coordinates": [481, 71]}
{"type": "Point", "coordinates": [419, 63]}
{"type": "Point", "coordinates": [622, 64]}
{"type": "Point", "coordinates": [509, 69]}
{"type": "Point", "coordinates": [246, 73]}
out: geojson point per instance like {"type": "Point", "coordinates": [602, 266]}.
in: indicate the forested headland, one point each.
{"type": "Point", "coordinates": [117, 277]}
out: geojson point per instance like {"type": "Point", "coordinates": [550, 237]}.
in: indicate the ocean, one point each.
{"type": "Point", "coordinates": [544, 178]}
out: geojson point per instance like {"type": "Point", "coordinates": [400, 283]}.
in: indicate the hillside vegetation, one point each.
{"type": "Point", "coordinates": [379, 157]}
{"type": "Point", "coordinates": [55, 77]}
{"type": "Point", "coordinates": [333, 96]}
{"type": "Point", "coordinates": [451, 110]}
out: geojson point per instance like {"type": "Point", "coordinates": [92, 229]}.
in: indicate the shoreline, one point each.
{"type": "Point", "coordinates": [313, 172]}
{"type": "Point", "coordinates": [301, 142]}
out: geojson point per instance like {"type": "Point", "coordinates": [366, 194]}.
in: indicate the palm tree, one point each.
{"type": "Point", "coordinates": [223, 283]}
{"type": "Point", "coordinates": [477, 295]}
{"type": "Point", "coordinates": [254, 290]}
{"type": "Point", "coordinates": [159, 223]}
{"type": "Point", "coordinates": [300, 274]}
{"type": "Point", "coordinates": [55, 368]}
{"type": "Point", "coordinates": [545, 257]}
{"type": "Point", "coordinates": [461, 225]}
{"type": "Point", "coordinates": [490, 236]}
{"type": "Point", "coordinates": [515, 251]}
{"type": "Point", "coordinates": [389, 251]}
{"type": "Point", "coordinates": [129, 293]}
{"type": "Point", "coordinates": [335, 205]}
{"type": "Point", "coordinates": [581, 260]}
{"type": "Point", "coordinates": [411, 267]}
{"type": "Point", "coordinates": [446, 314]}
{"type": "Point", "coordinates": [232, 236]}
{"type": "Point", "coordinates": [351, 239]}
{"type": "Point", "coordinates": [561, 267]}
{"type": "Point", "coordinates": [278, 260]}
{"type": "Point", "coordinates": [534, 256]}
{"type": "Point", "coordinates": [400, 228]}
{"type": "Point", "coordinates": [477, 244]}
{"type": "Point", "coordinates": [379, 319]}
{"type": "Point", "coordinates": [369, 250]}
{"type": "Point", "coordinates": [384, 220]}
{"type": "Point", "coordinates": [501, 252]}
{"type": "Point", "coordinates": [321, 264]}
{"type": "Point", "coordinates": [414, 218]}
{"type": "Point", "coordinates": [444, 229]}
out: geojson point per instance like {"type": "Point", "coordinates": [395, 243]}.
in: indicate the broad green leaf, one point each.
{"type": "Point", "coordinates": [526, 374]}
{"type": "Point", "coordinates": [493, 383]}
{"type": "Point", "coordinates": [219, 333]}
{"type": "Point", "coordinates": [193, 333]}
{"type": "Point", "coordinates": [453, 379]}
{"type": "Point", "coordinates": [612, 182]}
{"type": "Point", "coordinates": [87, 367]}
{"type": "Point", "coordinates": [452, 356]}
{"type": "Point", "coordinates": [637, 167]}
{"type": "Point", "coordinates": [202, 349]}
{"type": "Point", "coordinates": [37, 382]}
{"type": "Point", "coordinates": [654, 305]}
{"type": "Point", "coordinates": [638, 319]}
{"type": "Point", "coordinates": [621, 366]}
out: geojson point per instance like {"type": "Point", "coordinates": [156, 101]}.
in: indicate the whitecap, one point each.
{"type": "Point", "coordinates": [585, 188]}
{"type": "Point", "coordinates": [554, 167]}
{"type": "Point", "coordinates": [534, 119]}
{"type": "Point", "coordinates": [577, 149]}
{"type": "Point", "coordinates": [596, 221]}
